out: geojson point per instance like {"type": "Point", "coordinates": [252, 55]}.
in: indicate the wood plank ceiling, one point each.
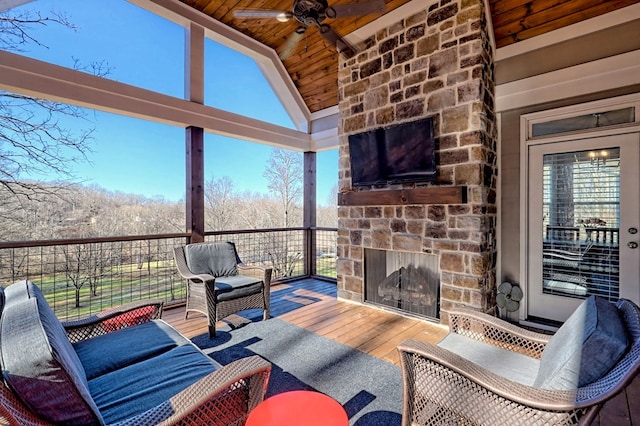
{"type": "Point", "coordinates": [313, 65]}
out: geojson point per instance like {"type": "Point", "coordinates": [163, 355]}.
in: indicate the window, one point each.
{"type": "Point", "coordinates": [590, 121]}
{"type": "Point", "coordinates": [235, 83]}
{"type": "Point", "coordinates": [147, 52]}
{"type": "Point", "coordinates": [581, 222]}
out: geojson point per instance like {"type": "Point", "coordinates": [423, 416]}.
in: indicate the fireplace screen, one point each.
{"type": "Point", "coordinates": [403, 281]}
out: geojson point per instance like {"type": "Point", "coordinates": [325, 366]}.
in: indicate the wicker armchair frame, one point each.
{"type": "Point", "coordinates": [201, 292]}
{"type": "Point", "coordinates": [224, 397]}
{"type": "Point", "coordinates": [440, 387]}
{"type": "Point", "coordinates": [129, 314]}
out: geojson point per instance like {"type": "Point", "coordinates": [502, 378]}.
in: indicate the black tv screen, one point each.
{"type": "Point", "coordinates": [400, 153]}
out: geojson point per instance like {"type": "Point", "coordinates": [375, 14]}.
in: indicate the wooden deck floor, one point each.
{"type": "Point", "coordinates": [312, 304]}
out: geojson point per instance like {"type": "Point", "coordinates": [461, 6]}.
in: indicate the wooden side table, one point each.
{"type": "Point", "coordinates": [300, 408]}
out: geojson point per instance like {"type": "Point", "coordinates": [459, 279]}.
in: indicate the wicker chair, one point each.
{"type": "Point", "coordinates": [442, 387]}
{"type": "Point", "coordinates": [219, 284]}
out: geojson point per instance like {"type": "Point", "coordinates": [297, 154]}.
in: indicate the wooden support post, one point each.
{"type": "Point", "coordinates": [195, 183]}
{"type": "Point", "coordinates": [309, 211]}
{"type": "Point", "coordinates": [194, 89]}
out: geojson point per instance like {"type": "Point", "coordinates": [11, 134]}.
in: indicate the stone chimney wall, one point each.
{"type": "Point", "coordinates": [437, 63]}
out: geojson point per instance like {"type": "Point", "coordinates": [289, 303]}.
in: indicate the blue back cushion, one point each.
{"type": "Point", "coordinates": [112, 351]}
{"type": "Point", "coordinates": [38, 361]}
{"type": "Point", "coordinates": [217, 259]}
{"type": "Point", "coordinates": [585, 348]}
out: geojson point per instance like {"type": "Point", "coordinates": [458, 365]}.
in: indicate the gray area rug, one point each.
{"type": "Point", "coordinates": [368, 388]}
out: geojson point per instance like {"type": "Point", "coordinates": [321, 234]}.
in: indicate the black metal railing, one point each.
{"type": "Point", "coordinates": [80, 277]}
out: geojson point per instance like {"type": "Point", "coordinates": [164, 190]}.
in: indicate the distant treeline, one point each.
{"type": "Point", "coordinates": [56, 211]}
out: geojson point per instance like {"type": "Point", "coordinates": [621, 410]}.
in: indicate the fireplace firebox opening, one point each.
{"type": "Point", "coordinates": [403, 281]}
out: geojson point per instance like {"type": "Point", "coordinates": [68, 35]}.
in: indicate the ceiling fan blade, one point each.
{"type": "Point", "coordinates": [291, 42]}
{"type": "Point", "coordinates": [341, 45]}
{"type": "Point", "coordinates": [355, 9]}
{"type": "Point", "coordinates": [261, 14]}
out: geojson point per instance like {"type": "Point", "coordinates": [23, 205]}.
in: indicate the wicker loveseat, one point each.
{"type": "Point", "coordinates": [490, 372]}
{"type": "Point", "coordinates": [124, 366]}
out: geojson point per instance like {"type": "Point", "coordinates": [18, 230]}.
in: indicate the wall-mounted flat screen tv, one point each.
{"type": "Point", "coordinates": [400, 153]}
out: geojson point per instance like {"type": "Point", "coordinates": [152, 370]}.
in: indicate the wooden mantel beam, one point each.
{"type": "Point", "coordinates": [429, 195]}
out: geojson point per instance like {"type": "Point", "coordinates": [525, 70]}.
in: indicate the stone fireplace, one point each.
{"type": "Point", "coordinates": [436, 63]}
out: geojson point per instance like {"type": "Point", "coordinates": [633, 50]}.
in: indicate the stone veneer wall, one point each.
{"type": "Point", "coordinates": [435, 63]}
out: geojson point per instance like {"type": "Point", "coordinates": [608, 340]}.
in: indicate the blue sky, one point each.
{"type": "Point", "coordinates": [142, 157]}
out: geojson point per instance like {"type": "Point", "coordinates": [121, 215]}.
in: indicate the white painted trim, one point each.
{"type": "Point", "coordinates": [194, 63]}
{"type": "Point", "coordinates": [266, 58]}
{"type": "Point", "coordinates": [611, 19]}
{"type": "Point", "coordinates": [524, 218]}
{"type": "Point", "coordinates": [10, 4]}
{"type": "Point", "coordinates": [31, 77]}
{"type": "Point", "coordinates": [325, 140]}
{"type": "Point", "coordinates": [327, 112]}
{"type": "Point", "coordinates": [388, 19]}
{"type": "Point", "coordinates": [602, 105]}
{"type": "Point", "coordinates": [604, 74]}
{"type": "Point", "coordinates": [492, 36]}
{"type": "Point", "coordinates": [498, 242]}
{"type": "Point", "coordinates": [583, 108]}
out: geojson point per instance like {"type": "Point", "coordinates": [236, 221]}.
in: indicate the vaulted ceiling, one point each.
{"type": "Point", "coordinates": [313, 63]}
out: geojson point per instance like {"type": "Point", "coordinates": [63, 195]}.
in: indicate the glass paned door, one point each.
{"type": "Point", "coordinates": [581, 223]}
{"type": "Point", "coordinates": [582, 210]}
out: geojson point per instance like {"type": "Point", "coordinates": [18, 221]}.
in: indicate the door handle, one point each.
{"type": "Point", "coordinates": [632, 245]}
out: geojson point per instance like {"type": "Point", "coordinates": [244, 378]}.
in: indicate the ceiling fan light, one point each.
{"type": "Point", "coordinates": [283, 17]}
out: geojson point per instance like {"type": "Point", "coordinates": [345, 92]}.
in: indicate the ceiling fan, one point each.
{"type": "Point", "coordinates": [311, 13]}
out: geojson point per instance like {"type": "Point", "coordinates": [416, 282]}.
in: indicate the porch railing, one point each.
{"type": "Point", "coordinates": [83, 276]}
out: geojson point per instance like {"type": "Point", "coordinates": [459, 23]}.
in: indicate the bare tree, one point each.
{"type": "Point", "coordinates": [327, 215]}
{"type": "Point", "coordinates": [35, 142]}
{"type": "Point", "coordinates": [76, 259]}
{"type": "Point", "coordinates": [16, 27]}
{"type": "Point", "coordinates": [284, 174]}
{"type": "Point", "coordinates": [220, 198]}
{"type": "Point", "coordinates": [34, 139]}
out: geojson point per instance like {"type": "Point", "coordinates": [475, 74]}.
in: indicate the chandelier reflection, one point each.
{"type": "Point", "coordinates": [598, 158]}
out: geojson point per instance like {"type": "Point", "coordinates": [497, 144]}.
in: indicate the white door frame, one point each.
{"type": "Point", "coordinates": [526, 140]}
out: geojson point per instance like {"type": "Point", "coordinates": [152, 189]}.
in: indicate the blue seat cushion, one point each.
{"type": "Point", "coordinates": [229, 288]}
{"type": "Point", "coordinates": [585, 348]}
{"type": "Point", "coordinates": [39, 363]}
{"type": "Point", "coordinates": [109, 352]}
{"type": "Point", "coordinates": [217, 259]}
{"type": "Point", "coordinates": [139, 387]}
